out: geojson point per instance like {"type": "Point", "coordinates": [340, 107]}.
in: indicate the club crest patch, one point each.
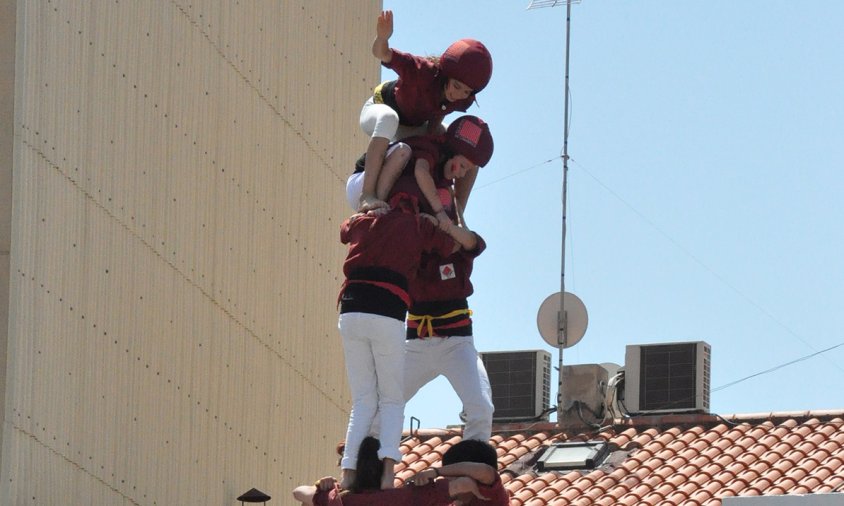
{"type": "Point", "coordinates": [447, 271]}
{"type": "Point", "coordinates": [469, 132]}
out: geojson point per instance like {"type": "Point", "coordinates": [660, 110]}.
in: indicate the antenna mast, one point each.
{"type": "Point", "coordinates": [562, 324]}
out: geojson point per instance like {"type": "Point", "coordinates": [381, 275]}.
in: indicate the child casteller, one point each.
{"type": "Point", "coordinates": [436, 162]}
{"type": "Point", "coordinates": [427, 89]}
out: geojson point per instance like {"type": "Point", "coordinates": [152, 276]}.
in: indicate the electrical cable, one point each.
{"type": "Point", "coordinates": [478, 187]}
{"type": "Point", "coordinates": [580, 405]}
{"type": "Point", "coordinates": [700, 262]}
{"type": "Point", "coordinates": [678, 246]}
{"type": "Point", "coordinates": [775, 368]}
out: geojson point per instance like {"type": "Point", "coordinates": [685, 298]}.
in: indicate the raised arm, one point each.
{"type": "Point", "coordinates": [482, 473]}
{"type": "Point", "coordinates": [383, 32]}
{"type": "Point", "coordinates": [318, 493]}
{"type": "Point", "coordinates": [463, 187]}
{"type": "Point", "coordinates": [422, 172]}
{"type": "Point", "coordinates": [305, 494]}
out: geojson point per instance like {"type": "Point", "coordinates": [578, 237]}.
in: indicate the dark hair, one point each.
{"type": "Point", "coordinates": [471, 450]}
{"type": "Point", "coordinates": [369, 466]}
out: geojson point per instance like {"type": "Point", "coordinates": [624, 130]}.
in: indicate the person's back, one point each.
{"type": "Point", "coordinates": [384, 251]}
{"type": "Point", "coordinates": [393, 240]}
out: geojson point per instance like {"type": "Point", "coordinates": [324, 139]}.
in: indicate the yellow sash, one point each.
{"type": "Point", "coordinates": [427, 321]}
{"type": "Point", "coordinates": [376, 93]}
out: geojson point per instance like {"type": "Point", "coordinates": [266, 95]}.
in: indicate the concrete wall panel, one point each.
{"type": "Point", "coordinates": [178, 189]}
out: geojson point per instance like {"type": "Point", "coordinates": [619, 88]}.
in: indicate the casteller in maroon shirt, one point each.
{"type": "Point", "coordinates": [384, 252]}
{"type": "Point", "coordinates": [435, 494]}
{"type": "Point", "coordinates": [417, 96]}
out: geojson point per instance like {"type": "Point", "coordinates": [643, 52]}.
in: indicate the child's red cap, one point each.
{"type": "Point", "coordinates": [468, 61]}
{"type": "Point", "coordinates": [469, 136]}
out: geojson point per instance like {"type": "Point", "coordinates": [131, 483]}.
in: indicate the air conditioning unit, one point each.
{"type": "Point", "coordinates": [521, 383]}
{"type": "Point", "coordinates": [667, 378]}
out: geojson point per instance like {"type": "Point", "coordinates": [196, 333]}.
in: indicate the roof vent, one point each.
{"type": "Point", "coordinates": [667, 378]}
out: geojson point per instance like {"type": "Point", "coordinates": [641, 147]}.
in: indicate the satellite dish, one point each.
{"type": "Point", "coordinates": [548, 319]}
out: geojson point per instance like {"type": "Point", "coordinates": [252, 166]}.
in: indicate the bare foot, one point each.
{"type": "Point", "coordinates": [368, 203]}
{"type": "Point", "coordinates": [348, 477]}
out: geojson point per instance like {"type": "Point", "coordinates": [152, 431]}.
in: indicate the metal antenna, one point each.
{"type": "Point", "coordinates": [562, 338]}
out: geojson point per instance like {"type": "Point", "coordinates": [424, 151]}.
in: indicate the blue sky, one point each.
{"type": "Point", "coordinates": [704, 190]}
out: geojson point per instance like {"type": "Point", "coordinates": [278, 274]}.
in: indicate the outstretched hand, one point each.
{"type": "Point", "coordinates": [384, 28]}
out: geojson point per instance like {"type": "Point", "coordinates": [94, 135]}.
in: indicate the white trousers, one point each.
{"type": "Point", "coordinates": [374, 350]}
{"type": "Point", "coordinates": [378, 120]}
{"type": "Point", "coordinates": [457, 359]}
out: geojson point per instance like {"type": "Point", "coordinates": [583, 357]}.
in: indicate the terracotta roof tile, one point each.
{"type": "Point", "coordinates": [570, 494]}
{"type": "Point", "coordinates": [735, 488]}
{"type": "Point", "coordinates": [770, 477]}
{"type": "Point", "coordinates": [518, 482]}
{"type": "Point", "coordinates": [701, 497]}
{"type": "Point", "coordinates": [646, 436]}
{"type": "Point", "coordinates": [834, 481]}
{"type": "Point", "coordinates": [711, 469]}
{"type": "Point", "coordinates": [628, 500]}
{"type": "Point", "coordinates": [606, 501]}
{"type": "Point", "coordinates": [677, 498]}
{"type": "Point", "coordinates": [665, 460]}
{"type": "Point", "coordinates": [653, 498]}
{"type": "Point", "coordinates": [712, 488]}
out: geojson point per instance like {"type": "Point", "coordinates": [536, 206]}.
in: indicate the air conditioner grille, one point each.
{"type": "Point", "coordinates": [669, 374]}
{"type": "Point", "coordinates": [520, 381]}
{"type": "Point", "coordinates": [546, 380]}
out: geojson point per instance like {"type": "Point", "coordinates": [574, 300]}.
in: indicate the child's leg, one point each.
{"type": "Point", "coordinates": [394, 164]}
{"type": "Point", "coordinates": [371, 171]}
{"type": "Point", "coordinates": [354, 189]}
{"type": "Point", "coordinates": [380, 121]}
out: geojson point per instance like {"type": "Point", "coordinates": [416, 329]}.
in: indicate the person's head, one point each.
{"type": "Point", "coordinates": [369, 466]}
{"type": "Point", "coordinates": [468, 62]}
{"type": "Point", "coordinates": [457, 166]}
{"type": "Point", "coordinates": [471, 450]}
{"type": "Point", "coordinates": [456, 90]}
{"type": "Point", "coordinates": [468, 137]}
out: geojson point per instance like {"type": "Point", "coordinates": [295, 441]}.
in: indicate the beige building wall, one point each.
{"type": "Point", "coordinates": [176, 195]}
{"type": "Point", "coordinates": [7, 128]}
